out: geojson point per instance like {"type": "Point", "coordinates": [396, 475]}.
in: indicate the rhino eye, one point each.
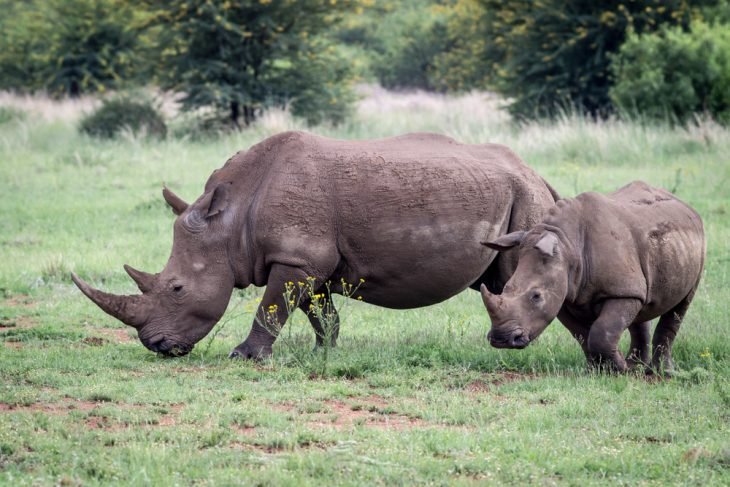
{"type": "Point", "coordinates": [177, 288]}
{"type": "Point", "coordinates": [535, 296]}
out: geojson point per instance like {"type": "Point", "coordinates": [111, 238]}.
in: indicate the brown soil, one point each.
{"type": "Point", "coordinates": [114, 335]}
{"type": "Point", "coordinates": [490, 381]}
{"type": "Point", "coordinates": [17, 322]}
{"type": "Point", "coordinates": [93, 422]}
{"type": "Point", "coordinates": [50, 408]}
{"type": "Point", "coordinates": [20, 301]}
{"type": "Point", "coordinates": [343, 416]}
{"type": "Point", "coordinates": [370, 411]}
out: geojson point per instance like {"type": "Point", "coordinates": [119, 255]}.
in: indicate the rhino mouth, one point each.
{"type": "Point", "coordinates": [514, 338]}
{"type": "Point", "coordinates": [168, 348]}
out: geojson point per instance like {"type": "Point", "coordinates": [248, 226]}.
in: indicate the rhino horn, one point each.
{"type": "Point", "coordinates": [127, 309]}
{"type": "Point", "coordinates": [490, 300]}
{"type": "Point", "coordinates": [145, 282]}
{"type": "Point", "coordinates": [176, 203]}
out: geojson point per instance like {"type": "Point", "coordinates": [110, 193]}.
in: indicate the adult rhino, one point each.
{"type": "Point", "coordinates": [406, 214]}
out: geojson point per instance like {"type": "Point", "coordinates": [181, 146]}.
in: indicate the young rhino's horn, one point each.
{"type": "Point", "coordinates": [490, 300]}
{"type": "Point", "coordinates": [127, 309]}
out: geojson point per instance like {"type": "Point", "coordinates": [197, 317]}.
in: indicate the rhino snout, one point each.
{"type": "Point", "coordinates": [515, 338]}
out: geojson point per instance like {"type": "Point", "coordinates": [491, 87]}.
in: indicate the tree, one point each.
{"type": "Point", "coordinates": [240, 57]}
{"type": "Point", "coordinates": [67, 47]}
{"type": "Point", "coordinates": [549, 55]}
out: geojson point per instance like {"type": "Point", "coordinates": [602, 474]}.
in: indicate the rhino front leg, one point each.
{"type": "Point", "coordinates": [271, 315]}
{"type": "Point", "coordinates": [576, 328]}
{"type": "Point", "coordinates": [639, 349]}
{"type": "Point", "coordinates": [616, 315]}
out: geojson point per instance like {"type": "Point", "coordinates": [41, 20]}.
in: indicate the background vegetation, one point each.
{"type": "Point", "coordinates": [229, 61]}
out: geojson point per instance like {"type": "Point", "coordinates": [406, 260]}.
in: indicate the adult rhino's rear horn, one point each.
{"type": "Point", "coordinates": [145, 282]}
{"type": "Point", "coordinates": [177, 204]}
{"type": "Point", "coordinates": [127, 309]}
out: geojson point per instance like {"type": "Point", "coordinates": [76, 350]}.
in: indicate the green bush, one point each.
{"type": "Point", "coordinates": [123, 113]}
{"type": "Point", "coordinates": [674, 74]}
{"type": "Point", "coordinates": [553, 55]}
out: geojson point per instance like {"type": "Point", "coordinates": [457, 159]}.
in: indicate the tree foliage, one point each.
{"type": "Point", "coordinates": [408, 41]}
{"type": "Point", "coordinates": [549, 55]}
{"type": "Point", "coordinates": [460, 65]}
{"type": "Point", "coordinates": [240, 57]}
{"type": "Point", "coordinates": [66, 47]}
{"type": "Point", "coordinates": [675, 74]}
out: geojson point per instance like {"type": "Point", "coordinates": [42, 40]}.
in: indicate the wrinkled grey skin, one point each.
{"type": "Point", "coordinates": [405, 214]}
{"type": "Point", "coordinates": [602, 264]}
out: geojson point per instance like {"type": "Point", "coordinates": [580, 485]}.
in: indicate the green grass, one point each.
{"type": "Point", "coordinates": [410, 397]}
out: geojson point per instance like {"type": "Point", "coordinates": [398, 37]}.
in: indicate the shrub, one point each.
{"type": "Point", "coordinates": [123, 113]}
{"type": "Point", "coordinates": [674, 74]}
{"type": "Point", "coordinates": [554, 54]}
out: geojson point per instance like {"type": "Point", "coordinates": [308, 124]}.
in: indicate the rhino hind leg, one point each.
{"type": "Point", "coordinates": [271, 314]}
{"type": "Point", "coordinates": [664, 335]}
{"type": "Point", "coordinates": [639, 348]}
{"type": "Point", "coordinates": [327, 332]}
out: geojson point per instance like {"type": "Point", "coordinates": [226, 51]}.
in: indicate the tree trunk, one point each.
{"type": "Point", "coordinates": [235, 113]}
{"type": "Point", "coordinates": [248, 114]}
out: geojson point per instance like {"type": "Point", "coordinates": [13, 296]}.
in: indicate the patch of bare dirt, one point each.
{"type": "Point", "coordinates": [115, 335]}
{"type": "Point", "coordinates": [20, 301]}
{"type": "Point", "coordinates": [273, 449]}
{"type": "Point", "coordinates": [490, 381]}
{"type": "Point", "coordinates": [168, 418]}
{"type": "Point", "coordinates": [17, 322]}
{"type": "Point", "coordinates": [370, 411]}
{"type": "Point", "coordinates": [14, 345]}
{"type": "Point", "coordinates": [345, 416]}
{"type": "Point", "coordinates": [50, 408]}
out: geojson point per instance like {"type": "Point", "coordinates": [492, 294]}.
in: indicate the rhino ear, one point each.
{"type": "Point", "coordinates": [176, 203]}
{"type": "Point", "coordinates": [213, 202]}
{"type": "Point", "coordinates": [547, 244]}
{"type": "Point", "coordinates": [506, 242]}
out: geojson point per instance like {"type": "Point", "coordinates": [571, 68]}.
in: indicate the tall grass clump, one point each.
{"type": "Point", "coordinates": [124, 113]}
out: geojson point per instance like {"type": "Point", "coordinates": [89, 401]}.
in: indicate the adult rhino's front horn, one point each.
{"type": "Point", "coordinates": [131, 310]}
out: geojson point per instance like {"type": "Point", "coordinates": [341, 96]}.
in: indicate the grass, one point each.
{"type": "Point", "coordinates": [410, 397]}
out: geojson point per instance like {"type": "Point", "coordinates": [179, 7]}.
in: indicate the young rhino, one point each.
{"type": "Point", "coordinates": [602, 264]}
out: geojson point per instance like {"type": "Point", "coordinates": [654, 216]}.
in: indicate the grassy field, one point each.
{"type": "Point", "coordinates": [408, 397]}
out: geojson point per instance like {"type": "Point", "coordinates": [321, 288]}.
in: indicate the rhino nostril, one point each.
{"type": "Point", "coordinates": [519, 339]}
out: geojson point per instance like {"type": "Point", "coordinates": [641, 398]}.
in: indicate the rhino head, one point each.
{"type": "Point", "coordinates": [182, 303]}
{"type": "Point", "coordinates": [533, 296]}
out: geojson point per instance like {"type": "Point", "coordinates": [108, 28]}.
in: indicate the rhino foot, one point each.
{"type": "Point", "coordinates": [247, 351]}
